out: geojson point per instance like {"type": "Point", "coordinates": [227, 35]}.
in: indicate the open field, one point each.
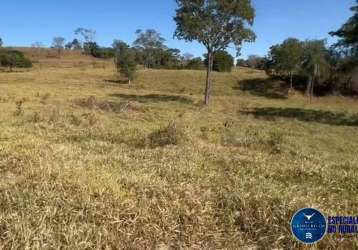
{"type": "Point", "coordinates": [88, 162]}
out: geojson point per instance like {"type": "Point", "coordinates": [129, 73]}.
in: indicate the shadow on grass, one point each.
{"type": "Point", "coordinates": [117, 81]}
{"type": "Point", "coordinates": [306, 115]}
{"type": "Point", "coordinates": [270, 88]}
{"type": "Point", "coordinates": [154, 98]}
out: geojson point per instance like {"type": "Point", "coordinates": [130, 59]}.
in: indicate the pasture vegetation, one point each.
{"type": "Point", "coordinates": [88, 161]}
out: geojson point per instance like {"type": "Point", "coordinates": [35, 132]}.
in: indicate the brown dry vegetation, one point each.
{"type": "Point", "coordinates": [90, 163]}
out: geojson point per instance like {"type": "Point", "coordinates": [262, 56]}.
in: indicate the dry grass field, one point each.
{"type": "Point", "coordinates": [88, 162]}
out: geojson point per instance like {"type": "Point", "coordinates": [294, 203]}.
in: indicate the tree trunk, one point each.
{"type": "Point", "coordinates": [208, 78]}
{"type": "Point", "coordinates": [309, 85]}
{"type": "Point", "coordinates": [291, 80]}
{"type": "Point", "coordinates": [311, 80]}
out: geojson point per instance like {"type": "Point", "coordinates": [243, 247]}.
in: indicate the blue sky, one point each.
{"type": "Point", "coordinates": [22, 22]}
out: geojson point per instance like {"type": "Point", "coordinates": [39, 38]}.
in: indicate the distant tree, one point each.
{"type": "Point", "coordinates": [1, 42]}
{"type": "Point", "coordinates": [315, 63]}
{"type": "Point", "coordinates": [287, 57]}
{"type": "Point", "coordinates": [14, 59]}
{"type": "Point", "coordinates": [148, 43]}
{"type": "Point", "coordinates": [76, 44]}
{"type": "Point", "coordinates": [91, 48]}
{"type": "Point", "coordinates": [168, 58]}
{"type": "Point", "coordinates": [241, 63]}
{"type": "Point", "coordinates": [256, 62]}
{"type": "Point", "coordinates": [68, 46]}
{"type": "Point", "coordinates": [188, 56]}
{"type": "Point", "coordinates": [37, 45]}
{"type": "Point", "coordinates": [59, 44]}
{"type": "Point", "coordinates": [86, 36]}
{"type": "Point", "coordinates": [216, 24]}
{"type": "Point", "coordinates": [223, 61]}
{"type": "Point", "coordinates": [125, 60]}
{"type": "Point", "coordinates": [195, 63]}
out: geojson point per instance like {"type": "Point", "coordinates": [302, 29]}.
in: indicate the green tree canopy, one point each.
{"type": "Point", "coordinates": [348, 33]}
{"type": "Point", "coordinates": [14, 59]}
{"type": "Point", "coordinates": [149, 43]}
{"type": "Point", "coordinates": [287, 57]}
{"type": "Point", "coordinates": [125, 60]}
{"type": "Point", "coordinates": [314, 62]}
{"type": "Point", "coordinates": [216, 24]}
{"type": "Point", "coordinates": [223, 61]}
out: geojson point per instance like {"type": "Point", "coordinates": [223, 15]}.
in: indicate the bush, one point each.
{"type": "Point", "coordinates": [195, 63]}
{"type": "Point", "coordinates": [125, 61]}
{"type": "Point", "coordinates": [173, 134]}
{"type": "Point", "coordinates": [14, 59]}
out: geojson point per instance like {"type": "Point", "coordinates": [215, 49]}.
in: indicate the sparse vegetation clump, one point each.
{"type": "Point", "coordinates": [173, 134]}
{"type": "Point", "coordinates": [125, 61]}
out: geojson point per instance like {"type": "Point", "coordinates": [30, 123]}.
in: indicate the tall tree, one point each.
{"type": "Point", "coordinates": [1, 42]}
{"type": "Point", "coordinates": [314, 63]}
{"type": "Point", "coordinates": [125, 60]}
{"type": "Point", "coordinates": [87, 37]}
{"type": "Point", "coordinates": [216, 24]}
{"type": "Point", "coordinates": [149, 42]}
{"type": "Point", "coordinates": [59, 44]}
{"type": "Point", "coordinates": [287, 57]}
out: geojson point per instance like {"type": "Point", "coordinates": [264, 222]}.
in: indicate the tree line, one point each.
{"type": "Point", "coordinates": [220, 24]}
{"type": "Point", "coordinates": [311, 65]}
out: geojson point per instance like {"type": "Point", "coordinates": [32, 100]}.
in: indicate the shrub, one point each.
{"type": "Point", "coordinates": [125, 61]}
{"type": "Point", "coordinates": [173, 134]}
{"type": "Point", "coordinates": [14, 59]}
{"type": "Point", "coordinates": [19, 110]}
{"type": "Point", "coordinates": [275, 141]}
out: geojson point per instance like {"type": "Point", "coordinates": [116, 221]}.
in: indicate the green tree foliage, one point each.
{"type": "Point", "coordinates": [93, 49]}
{"type": "Point", "coordinates": [287, 57]}
{"type": "Point", "coordinates": [241, 63]}
{"type": "Point", "coordinates": [347, 45]}
{"type": "Point", "coordinates": [125, 60]}
{"type": "Point", "coordinates": [149, 43]}
{"type": "Point", "coordinates": [1, 42]}
{"type": "Point", "coordinates": [74, 45]}
{"type": "Point", "coordinates": [308, 60]}
{"type": "Point", "coordinates": [314, 63]}
{"type": "Point", "coordinates": [152, 52]}
{"type": "Point", "coordinates": [86, 35]}
{"type": "Point", "coordinates": [223, 61]}
{"type": "Point", "coordinates": [348, 33]}
{"type": "Point", "coordinates": [195, 63]}
{"type": "Point", "coordinates": [168, 58]}
{"type": "Point", "coordinates": [14, 59]}
{"type": "Point", "coordinates": [216, 24]}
